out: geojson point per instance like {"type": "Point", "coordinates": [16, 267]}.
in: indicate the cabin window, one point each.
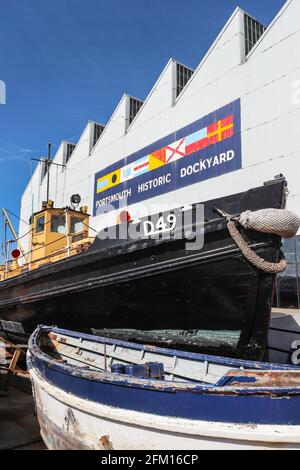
{"type": "Point", "coordinates": [76, 225]}
{"type": "Point", "coordinates": [40, 224]}
{"type": "Point", "coordinates": [58, 224]}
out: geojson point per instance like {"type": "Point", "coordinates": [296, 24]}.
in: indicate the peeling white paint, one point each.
{"type": "Point", "coordinates": [131, 430]}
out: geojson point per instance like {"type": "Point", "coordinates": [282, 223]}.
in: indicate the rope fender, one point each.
{"type": "Point", "coordinates": [251, 256]}
{"type": "Point", "coordinates": [279, 222]}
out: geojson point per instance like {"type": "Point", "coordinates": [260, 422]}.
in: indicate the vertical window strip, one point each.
{"type": "Point", "coordinates": [134, 107]}
{"type": "Point", "coordinates": [253, 32]}
{"type": "Point", "coordinates": [45, 169]}
{"type": "Point", "coordinates": [183, 75]}
{"type": "Point", "coordinates": [69, 150]}
{"type": "Point", "coordinates": [98, 129]}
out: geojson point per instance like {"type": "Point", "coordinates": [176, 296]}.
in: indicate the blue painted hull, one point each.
{"type": "Point", "coordinates": [241, 400]}
{"type": "Point", "coordinates": [249, 408]}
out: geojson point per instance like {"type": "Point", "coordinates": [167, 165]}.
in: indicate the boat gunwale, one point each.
{"type": "Point", "coordinates": [34, 351]}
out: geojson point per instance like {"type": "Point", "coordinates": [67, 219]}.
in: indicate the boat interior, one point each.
{"type": "Point", "coordinates": [90, 353]}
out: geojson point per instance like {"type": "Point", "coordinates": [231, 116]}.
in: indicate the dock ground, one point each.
{"type": "Point", "coordinates": [19, 428]}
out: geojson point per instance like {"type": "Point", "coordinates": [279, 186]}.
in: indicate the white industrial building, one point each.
{"type": "Point", "coordinates": [249, 68]}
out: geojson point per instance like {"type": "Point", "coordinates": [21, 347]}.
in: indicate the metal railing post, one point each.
{"type": "Point", "coordinates": [68, 233]}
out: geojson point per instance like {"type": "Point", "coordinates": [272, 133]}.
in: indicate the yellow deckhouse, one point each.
{"type": "Point", "coordinates": [54, 234]}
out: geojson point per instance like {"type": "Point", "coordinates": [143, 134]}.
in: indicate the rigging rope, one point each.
{"type": "Point", "coordinates": [88, 226]}
{"type": "Point", "coordinates": [15, 215]}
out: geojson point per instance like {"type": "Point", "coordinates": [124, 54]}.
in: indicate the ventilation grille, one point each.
{"type": "Point", "coordinates": [253, 32]}
{"type": "Point", "coordinates": [98, 129]}
{"type": "Point", "coordinates": [134, 107]}
{"type": "Point", "coordinates": [183, 75]}
{"type": "Point", "coordinates": [69, 150]}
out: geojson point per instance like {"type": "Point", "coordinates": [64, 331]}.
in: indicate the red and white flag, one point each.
{"type": "Point", "coordinates": [175, 151]}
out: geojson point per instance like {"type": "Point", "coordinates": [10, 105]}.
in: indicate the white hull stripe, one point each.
{"type": "Point", "coordinates": [247, 432]}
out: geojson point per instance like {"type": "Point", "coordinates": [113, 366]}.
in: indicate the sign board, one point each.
{"type": "Point", "coordinates": [205, 149]}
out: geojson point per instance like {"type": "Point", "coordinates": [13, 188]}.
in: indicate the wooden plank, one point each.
{"type": "Point", "coordinates": [13, 346]}
{"type": "Point", "coordinates": [13, 362]}
{"type": "Point", "coordinates": [11, 368]}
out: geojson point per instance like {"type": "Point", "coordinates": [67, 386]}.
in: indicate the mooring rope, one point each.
{"type": "Point", "coordinates": [251, 256]}
{"type": "Point", "coordinates": [275, 221]}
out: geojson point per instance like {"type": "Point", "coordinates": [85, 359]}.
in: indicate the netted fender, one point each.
{"type": "Point", "coordinates": [281, 222]}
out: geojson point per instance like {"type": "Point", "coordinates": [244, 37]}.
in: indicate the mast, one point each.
{"type": "Point", "coordinates": [48, 163]}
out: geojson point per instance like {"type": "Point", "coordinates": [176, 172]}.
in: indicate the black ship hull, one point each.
{"type": "Point", "coordinates": [156, 291]}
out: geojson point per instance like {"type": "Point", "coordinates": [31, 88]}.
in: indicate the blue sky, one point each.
{"type": "Point", "coordinates": [67, 61]}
